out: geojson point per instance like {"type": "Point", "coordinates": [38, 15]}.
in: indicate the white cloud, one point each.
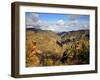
{"type": "Point", "coordinates": [60, 23]}
{"type": "Point", "coordinates": [77, 24]}
{"type": "Point", "coordinates": [73, 23]}
{"type": "Point", "coordinates": [32, 17]}
{"type": "Point", "coordinates": [33, 21]}
{"type": "Point", "coordinates": [51, 27]}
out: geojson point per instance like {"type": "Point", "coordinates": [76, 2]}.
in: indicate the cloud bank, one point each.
{"type": "Point", "coordinates": [33, 21]}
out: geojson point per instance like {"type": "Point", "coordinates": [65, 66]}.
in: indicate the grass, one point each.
{"type": "Point", "coordinates": [42, 50]}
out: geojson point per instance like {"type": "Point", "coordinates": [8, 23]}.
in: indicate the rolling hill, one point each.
{"type": "Point", "coordinates": [50, 47]}
{"type": "Point", "coordinates": [74, 35]}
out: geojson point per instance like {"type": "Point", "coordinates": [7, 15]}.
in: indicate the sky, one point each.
{"type": "Point", "coordinates": [57, 22]}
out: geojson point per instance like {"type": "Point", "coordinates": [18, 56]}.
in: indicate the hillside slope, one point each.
{"type": "Point", "coordinates": [48, 48]}
{"type": "Point", "coordinates": [74, 35]}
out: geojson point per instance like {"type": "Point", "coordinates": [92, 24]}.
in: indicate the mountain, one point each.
{"type": "Point", "coordinates": [74, 35]}
{"type": "Point", "coordinates": [45, 39]}
{"type": "Point", "coordinates": [33, 29]}
{"type": "Point", "coordinates": [46, 47]}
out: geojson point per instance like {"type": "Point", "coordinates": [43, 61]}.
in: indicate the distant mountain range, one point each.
{"type": "Point", "coordinates": [71, 35]}
{"type": "Point", "coordinates": [74, 35]}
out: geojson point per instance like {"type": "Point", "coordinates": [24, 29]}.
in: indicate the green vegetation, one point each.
{"type": "Point", "coordinates": [47, 48]}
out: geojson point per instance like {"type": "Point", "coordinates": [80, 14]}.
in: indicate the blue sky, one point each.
{"type": "Point", "coordinates": [57, 22]}
{"type": "Point", "coordinates": [65, 17]}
